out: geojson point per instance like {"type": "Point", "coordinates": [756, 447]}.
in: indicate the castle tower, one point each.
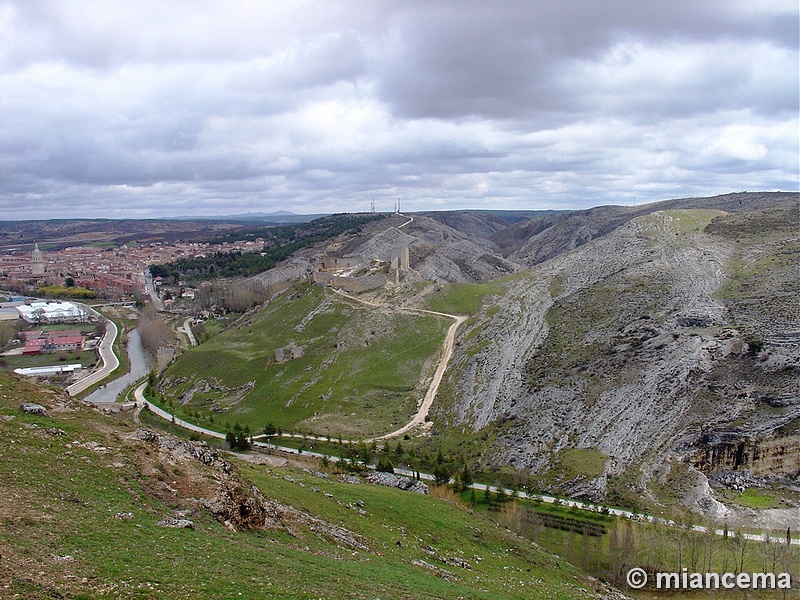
{"type": "Point", "coordinates": [405, 262]}
{"type": "Point", "coordinates": [37, 261]}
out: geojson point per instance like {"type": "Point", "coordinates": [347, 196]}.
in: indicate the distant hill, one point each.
{"type": "Point", "coordinates": [277, 217]}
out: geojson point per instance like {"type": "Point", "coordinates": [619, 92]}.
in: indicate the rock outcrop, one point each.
{"type": "Point", "coordinates": [31, 408]}
{"type": "Point", "coordinates": [235, 504]}
{"type": "Point", "coordinates": [398, 481]}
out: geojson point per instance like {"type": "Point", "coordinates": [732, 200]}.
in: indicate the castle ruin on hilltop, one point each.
{"type": "Point", "coordinates": [383, 259]}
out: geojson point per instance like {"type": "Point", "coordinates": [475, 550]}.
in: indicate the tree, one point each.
{"type": "Point", "coordinates": [100, 328]}
{"type": "Point", "coordinates": [153, 330]}
{"type": "Point", "coordinates": [466, 478]}
{"type": "Point", "coordinates": [138, 297]}
{"type": "Point", "coordinates": [441, 474]}
{"type": "Point", "coordinates": [502, 495]}
{"type": "Point", "coordinates": [385, 465]}
{"type": "Point", "coordinates": [199, 331]}
{"type": "Point", "coordinates": [7, 332]}
{"type": "Point", "coordinates": [38, 316]}
{"type": "Point", "coordinates": [755, 345]}
{"type": "Point", "coordinates": [270, 430]}
{"type": "Point", "coordinates": [363, 453]}
{"type": "Point", "coordinates": [238, 438]}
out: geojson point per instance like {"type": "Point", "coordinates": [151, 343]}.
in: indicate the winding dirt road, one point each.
{"type": "Point", "coordinates": [433, 388]}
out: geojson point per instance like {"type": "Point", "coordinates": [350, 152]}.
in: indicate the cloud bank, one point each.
{"type": "Point", "coordinates": [158, 108]}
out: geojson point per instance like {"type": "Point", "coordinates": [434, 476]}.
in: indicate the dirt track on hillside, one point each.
{"type": "Point", "coordinates": [447, 352]}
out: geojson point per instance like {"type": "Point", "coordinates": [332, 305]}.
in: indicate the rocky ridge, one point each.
{"type": "Point", "coordinates": [623, 345]}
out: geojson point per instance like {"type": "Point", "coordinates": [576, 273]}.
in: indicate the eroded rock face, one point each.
{"type": "Point", "coordinates": [238, 506]}
{"type": "Point", "coordinates": [242, 508]}
{"type": "Point", "coordinates": [626, 346]}
{"type": "Point", "coordinates": [756, 456]}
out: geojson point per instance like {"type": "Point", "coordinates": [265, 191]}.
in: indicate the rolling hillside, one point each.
{"type": "Point", "coordinates": [673, 336]}
{"type": "Point", "coordinates": [97, 507]}
{"type": "Point", "coordinates": [311, 360]}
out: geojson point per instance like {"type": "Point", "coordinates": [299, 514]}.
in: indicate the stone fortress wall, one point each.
{"type": "Point", "coordinates": [329, 272]}
{"type": "Point", "coordinates": [353, 285]}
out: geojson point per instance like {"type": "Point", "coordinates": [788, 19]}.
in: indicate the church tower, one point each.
{"type": "Point", "coordinates": [37, 261]}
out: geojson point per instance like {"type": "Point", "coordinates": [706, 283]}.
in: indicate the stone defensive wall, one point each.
{"type": "Point", "coordinates": [331, 263]}
{"type": "Point", "coordinates": [350, 284]}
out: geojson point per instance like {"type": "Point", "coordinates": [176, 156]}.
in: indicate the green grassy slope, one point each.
{"type": "Point", "coordinates": [464, 298]}
{"type": "Point", "coordinates": [65, 478]}
{"type": "Point", "coordinates": [355, 359]}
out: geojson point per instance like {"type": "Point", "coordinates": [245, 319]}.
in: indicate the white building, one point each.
{"type": "Point", "coordinates": [52, 312]}
{"type": "Point", "coordinates": [47, 371]}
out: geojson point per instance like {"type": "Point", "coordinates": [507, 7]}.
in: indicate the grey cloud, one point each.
{"type": "Point", "coordinates": [151, 107]}
{"type": "Point", "coordinates": [506, 60]}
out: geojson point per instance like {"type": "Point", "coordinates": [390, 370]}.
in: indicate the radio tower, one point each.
{"type": "Point", "coordinates": [372, 206]}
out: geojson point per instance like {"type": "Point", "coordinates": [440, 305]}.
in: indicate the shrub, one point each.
{"type": "Point", "coordinates": [385, 465]}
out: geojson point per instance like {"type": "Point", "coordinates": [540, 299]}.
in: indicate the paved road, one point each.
{"type": "Point", "coordinates": [410, 219]}
{"type": "Point", "coordinates": [151, 289]}
{"type": "Point", "coordinates": [138, 393]}
{"type": "Point", "coordinates": [142, 401]}
{"type": "Point", "coordinates": [110, 361]}
{"type": "Point", "coordinates": [187, 329]}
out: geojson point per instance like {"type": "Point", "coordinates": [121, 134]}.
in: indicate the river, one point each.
{"type": "Point", "coordinates": [141, 364]}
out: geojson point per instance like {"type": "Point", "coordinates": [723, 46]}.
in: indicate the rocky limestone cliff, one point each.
{"type": "Point", "coordinates": [759, 457]}
{"type": "Point", "coordinates": [630, 345]}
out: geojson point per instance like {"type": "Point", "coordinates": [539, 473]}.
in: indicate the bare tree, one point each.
{"type": "Point", "coordinates": [740, 550]}
{"type": "Point", "coordinates": [240, 299]}
{"type": "Point", "coordinates": [155, 333]}
{"type": "Point", "coordinates": [8, 330]}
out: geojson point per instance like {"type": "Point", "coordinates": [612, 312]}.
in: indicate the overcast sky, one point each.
{"type": "Point", "coordinates": [163, 108]}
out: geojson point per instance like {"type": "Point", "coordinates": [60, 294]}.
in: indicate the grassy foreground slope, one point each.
{"type": "Point", "coordinates": [315, 360]}
{"type": "Point", "coordinates": [83, 493]}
